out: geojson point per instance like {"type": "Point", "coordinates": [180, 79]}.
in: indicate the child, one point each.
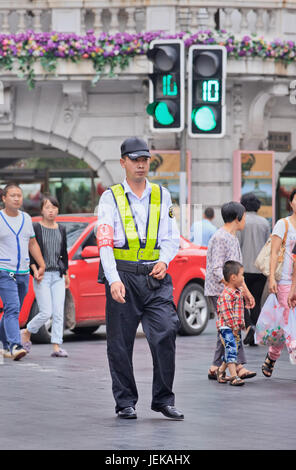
{"type": "Point", "coordinates": [230, 310]}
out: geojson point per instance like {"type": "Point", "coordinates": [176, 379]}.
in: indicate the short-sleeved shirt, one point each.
{"type": "Point", "coordinates": [279, 230]}
{"type": "Point", "coordinates": [252, 239]}
{"type": "Point", "coordinates": [223, 247]}
{"type": "Point", "coordinates": [230, 309]}
{"type": "Point", "coordinates": [52, 241]}
{"type": "Point", "coordinates": [201, 232]}
{"type": "Point", "coordinates": [15, 234]}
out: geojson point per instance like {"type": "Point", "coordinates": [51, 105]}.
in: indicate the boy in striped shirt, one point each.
{"type": "Point", "coordinates": [230, 311]}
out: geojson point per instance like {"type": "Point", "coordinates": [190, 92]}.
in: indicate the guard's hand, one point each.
{"type": "Point", "coordinates": [117, 290]}
{"type": "Point", "coordinates": [159, 270]}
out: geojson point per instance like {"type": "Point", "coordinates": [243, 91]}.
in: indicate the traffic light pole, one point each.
{"type": "Point", "coordinates": [183, 172]}
{"type": "Point", "coordinates": [183, 182]}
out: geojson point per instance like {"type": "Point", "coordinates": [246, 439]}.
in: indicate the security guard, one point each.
{"type": "Point", "coordinates": [138, 237]}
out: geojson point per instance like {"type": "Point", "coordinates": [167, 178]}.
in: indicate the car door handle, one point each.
{"type": "Point", "coordinates": [182, 259]}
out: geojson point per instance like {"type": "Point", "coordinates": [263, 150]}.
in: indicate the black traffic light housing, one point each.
{"type": "Point", "coordinates": [206, 91]}
{"type": "Point", "coordinates": [167, 85]}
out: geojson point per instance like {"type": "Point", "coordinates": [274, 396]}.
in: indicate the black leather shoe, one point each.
{"type": "Point", "coordinates": [127, 413]}
{"type": "Point", "coordinates": [170, 412]}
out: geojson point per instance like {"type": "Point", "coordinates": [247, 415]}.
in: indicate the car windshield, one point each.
{"type": "Point", "coordinates": [73, 231]}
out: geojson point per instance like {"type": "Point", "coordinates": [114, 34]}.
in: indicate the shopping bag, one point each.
{"type": "Point", "coordinates": [270, 328]}
{"type": "Point", "coordinates": [290, 333]}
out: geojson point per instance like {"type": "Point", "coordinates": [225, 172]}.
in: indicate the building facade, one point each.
{"type": "Point", "coordinates": [66, 115]}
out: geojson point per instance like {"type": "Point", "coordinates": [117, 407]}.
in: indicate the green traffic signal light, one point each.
{"type": "Point", "coordinates": [204, 118]}
{"type": "Point", "coordinates": [164, 112]}
{"type": "Point", "coordinates": [206, 91]}
{"type": "Point", "coordinates": [166, 85]}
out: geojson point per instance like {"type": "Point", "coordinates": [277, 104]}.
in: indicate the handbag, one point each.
{"type": "Point", "coordinates": [262, 261]}
{"type": "Point", "coordinates": [270, 327]}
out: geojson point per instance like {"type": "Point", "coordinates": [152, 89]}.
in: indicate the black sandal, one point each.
{"type": "Point", "coordinates": [236, 381]}
{"type": "Point", "coordinates": [267, 367]}
{"type": "Point", "coordinates": [221, 376]}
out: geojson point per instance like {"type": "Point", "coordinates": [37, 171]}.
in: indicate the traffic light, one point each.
{"type": "Point", "coordinates": [166, 86]}
{"type": "Point", "coordinates": [206, 91]}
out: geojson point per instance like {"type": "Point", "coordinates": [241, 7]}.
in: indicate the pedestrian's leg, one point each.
{"type": "Point", "coordinates": [58, 302]}
{"type": "Point", "coordinates": [258, 288]}
{"type": "Point", "coordinates": [22, 285]}
{"type": "Point", "coordinates": [43, 299]}
{"type": "Point", "coordinates": [218, 354]}
{"type": "Point", "coordinates": [9, 327]}
{"type": "Point", "coordinates": [122, 322]}
{"type": "Point", "coordinates": [231, 355]}
{"type": "Point", "coordinates": [219, 351]}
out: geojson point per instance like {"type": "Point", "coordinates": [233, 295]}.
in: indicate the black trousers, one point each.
{"type": "Point", "coordinates": [255, 283]}
{"type": "Point", "coordinates": [156, 310]}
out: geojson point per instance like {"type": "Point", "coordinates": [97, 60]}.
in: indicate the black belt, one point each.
{"type": "Point", "coordinates": [137, 268]}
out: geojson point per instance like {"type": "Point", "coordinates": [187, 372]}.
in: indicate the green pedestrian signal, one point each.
{"type": "Point", "coordinates": [204, 118]}
{"type": "Point", "coordinates": [166, 86]}
{"type": "Point", "coordinates": [206, 91]}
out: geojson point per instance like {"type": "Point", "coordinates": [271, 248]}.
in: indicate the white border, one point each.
{"type": "Point", "coordinates": [223, 111]}
{"type": "Point", "coordinates": [182, 85]}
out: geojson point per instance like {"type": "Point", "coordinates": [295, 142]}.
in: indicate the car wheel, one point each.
{"type": "Point", "coordinates": [193, 310]}
{"type": "Point", "coordinates": [87, 330]}
{"type": "Point", "coordinates": [44, 334]}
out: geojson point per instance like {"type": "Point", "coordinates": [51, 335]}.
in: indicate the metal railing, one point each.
{"type": "Point", "coordinates": [240, 17]}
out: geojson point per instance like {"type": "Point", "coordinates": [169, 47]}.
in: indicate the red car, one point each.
{"type": "Point", "coordinates": [85, 300]}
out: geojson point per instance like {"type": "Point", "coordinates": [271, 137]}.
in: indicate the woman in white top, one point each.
{"type": "Point", "coordinates": [281, 287]}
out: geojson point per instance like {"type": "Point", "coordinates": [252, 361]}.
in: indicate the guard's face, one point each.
{"type": "Point", "coordinates": [136, 170]}
{"type": "Point", "coordinates": [14, 198]}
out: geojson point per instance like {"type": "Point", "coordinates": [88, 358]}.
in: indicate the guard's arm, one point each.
{"type": "Point", "coordinates": [105, 240]}
{"type": "Point", "coordinates": [168, 233]}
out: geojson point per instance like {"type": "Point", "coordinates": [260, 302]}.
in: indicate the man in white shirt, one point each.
{"type": "Point", "coordinates": [17, 238]}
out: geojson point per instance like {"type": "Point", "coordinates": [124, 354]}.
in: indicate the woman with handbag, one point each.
{"type": "Point", "coordinates": [50, 292]}
{"type": "Point", "coordinates": [283, 239]}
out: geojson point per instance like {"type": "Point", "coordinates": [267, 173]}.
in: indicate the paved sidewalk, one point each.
{"type": "Point", "coordinates": [55, 403]}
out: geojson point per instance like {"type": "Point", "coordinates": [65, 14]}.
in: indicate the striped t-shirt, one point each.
{"type": "Point", "coordinates": [52, 241]}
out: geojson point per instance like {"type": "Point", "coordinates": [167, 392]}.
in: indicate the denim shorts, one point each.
{"type": "Point", "coordinates": [231, 344]}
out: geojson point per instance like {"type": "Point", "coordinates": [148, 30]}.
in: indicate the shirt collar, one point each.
{"type": "Point", "coordinates": [127, 188]}
{"type": "Point", "coordinates": [232, 292]}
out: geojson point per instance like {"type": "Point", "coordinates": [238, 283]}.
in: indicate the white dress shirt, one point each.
{"type": "Point", "coordinates": [168, 233]}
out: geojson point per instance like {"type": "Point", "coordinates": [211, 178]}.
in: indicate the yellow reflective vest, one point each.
{"type": "Point", "coordinates": [134, 249]}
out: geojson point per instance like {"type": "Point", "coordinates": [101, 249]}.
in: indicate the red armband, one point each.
{"type": "Point", "coordinates": [105, 235]}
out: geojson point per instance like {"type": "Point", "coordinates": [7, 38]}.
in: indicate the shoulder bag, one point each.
{"type": "Point", "coordinates": [262, 261]}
